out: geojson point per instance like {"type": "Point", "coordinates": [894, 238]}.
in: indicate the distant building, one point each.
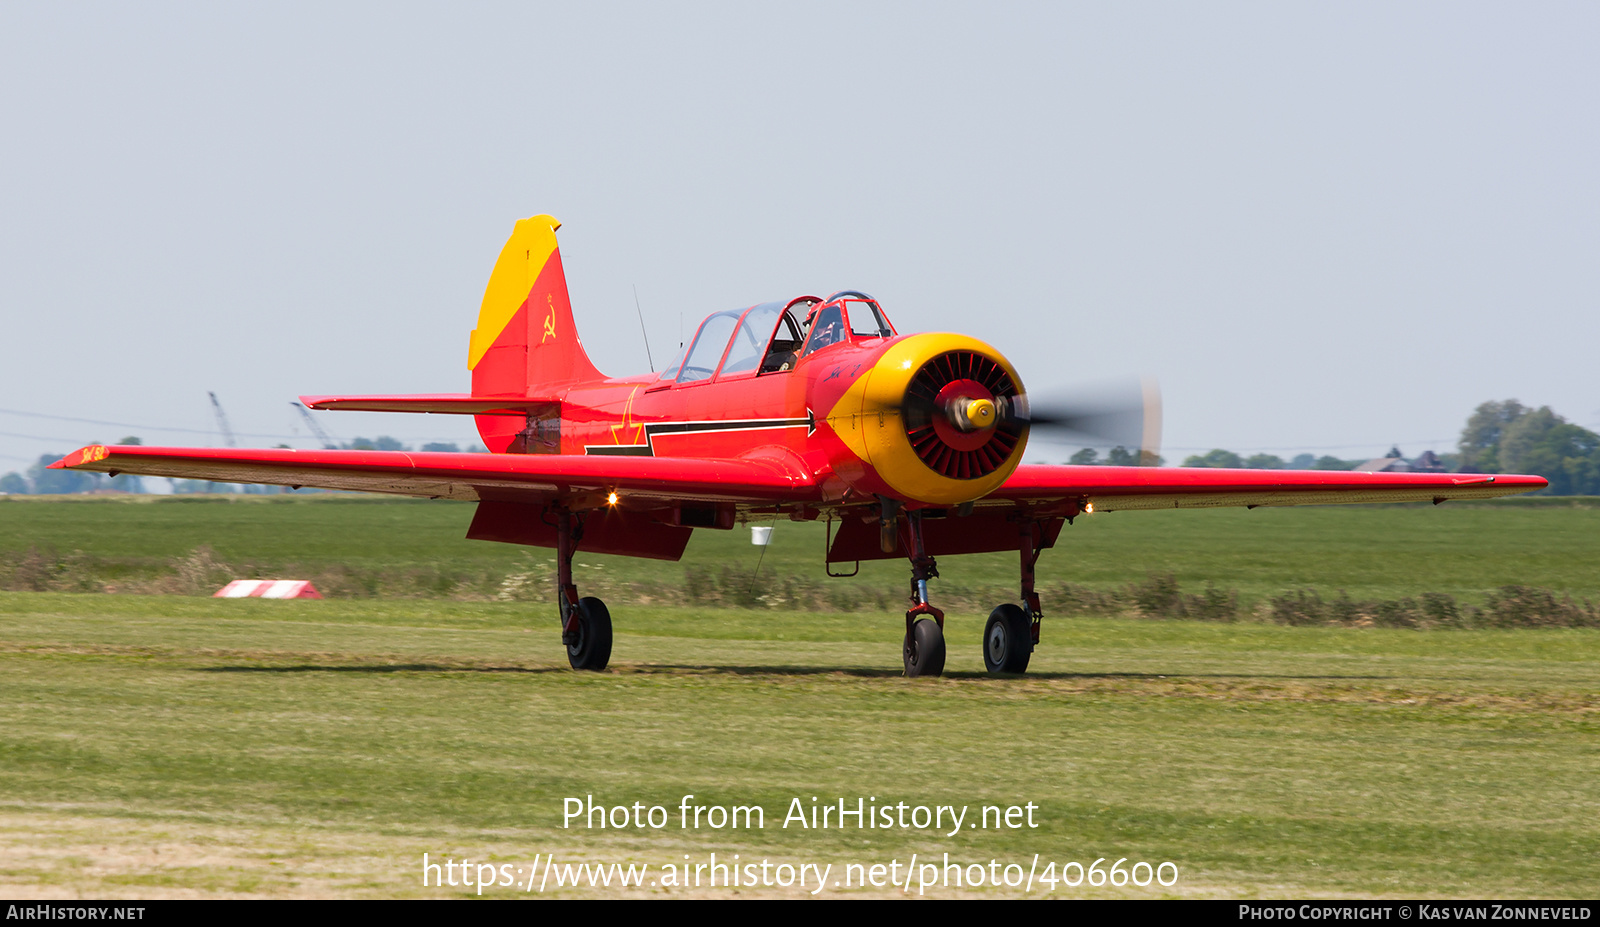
{"type": "Point", "coordinates": [1383, 465]}
{"type": "Point", "coordinates": [1427, 462]}
{"type": "Point", "coordinates": [1395, 462]}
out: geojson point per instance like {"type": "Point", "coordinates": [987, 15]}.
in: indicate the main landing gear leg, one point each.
{"type": "Point", "coordinates": [1011, 633]}
{"type": "Point", "coordinates": [585, 623]}
{"type": "Point", "coordinates": [924, 644]}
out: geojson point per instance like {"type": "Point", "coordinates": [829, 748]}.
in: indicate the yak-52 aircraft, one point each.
{"type": "Point", "coordinates": [806, 409]}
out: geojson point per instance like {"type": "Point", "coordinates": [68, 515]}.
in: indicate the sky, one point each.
{"type": "Point", "coordinates": [1321, 227]}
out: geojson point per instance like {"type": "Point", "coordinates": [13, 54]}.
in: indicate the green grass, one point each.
{"type": "Point", "coordinates": [361, 546]}
{"type": "Point", "coordinates": [286, 748]}
{"type": "Point", "coordinates": [191, 747]}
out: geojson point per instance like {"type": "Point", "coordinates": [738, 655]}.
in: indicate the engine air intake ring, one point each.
{"type": "Point", "coordinates": [962, 416]}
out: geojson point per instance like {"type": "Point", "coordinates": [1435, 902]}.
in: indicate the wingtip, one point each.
{"type": "Point", "coordinates": [81, 456]}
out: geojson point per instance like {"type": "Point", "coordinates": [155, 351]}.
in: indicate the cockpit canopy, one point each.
{"type": "Point", "coordinates": [773, 337]}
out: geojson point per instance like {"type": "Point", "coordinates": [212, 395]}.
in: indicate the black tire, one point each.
{"type": "Point", "coordinates": [590, 646]}
{"type": "Point", "coordinates": [1007, 640]}
{"type": "Point", "coordinates": [924, 649]}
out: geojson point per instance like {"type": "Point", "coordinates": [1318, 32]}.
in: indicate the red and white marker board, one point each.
{"type": "Point", "coordinates": [268, 589]}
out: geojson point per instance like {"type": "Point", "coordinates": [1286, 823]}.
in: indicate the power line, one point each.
{"type": "Point", "coordinates": [12, 434]}
{"type": "Point", "coordinates": [193, 431]}
{"type": "Point", "coordinates": [1322, 447]}
{"type": "Point", "coordinates": [1436, 442]}
{"type": "Point", "coordinates": [93, 421]}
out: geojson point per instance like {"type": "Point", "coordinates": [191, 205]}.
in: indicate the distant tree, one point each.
{"type": "Point", "coordinates": [1521, 435]}
{"type": "Point", "coordinates": [1480, 440]}
{"type": "Point", "coordinates": [1565, 454]}
{"type": "Point", "coordinates": [14, 484]}
{"type": "Point", "coordinates": [127, 482]}
{"type": "Point", "coordinates": [1215, 458]}
{"type": "Point", "coordinates": [438, 447]}
{"type": "Point", "coordinates": [1508, 437]}
{"type": "Point", "coordinates": [380, 443]}
{"type": "Point", "coordinates": [477, 449]}
{"type": "Point", "coordinates": [47, 481]}
{"type": "Point", "coordinates": [1303, 462]}
{"type": "Point", "coordinates": [1265, 462]}
{"type": "Point", "coordinates": [1087, 457]}
{"type": "Point", "coordinates": [1122, 457]}
{"type": "Point", "coordinates": [1329, 462]}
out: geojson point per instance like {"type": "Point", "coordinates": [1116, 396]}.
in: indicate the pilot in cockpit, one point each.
{"type": "Point", "coordinates": [827, 327]}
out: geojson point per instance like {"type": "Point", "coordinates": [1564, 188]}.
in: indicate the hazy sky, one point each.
{"type": "Point", "coordinates": [1322, 227]}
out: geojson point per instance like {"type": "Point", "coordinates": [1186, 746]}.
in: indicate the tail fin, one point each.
{"type": "Point", "coordinates": [526, 343]}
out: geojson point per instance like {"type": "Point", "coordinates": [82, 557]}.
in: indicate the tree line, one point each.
{"type": "Point", "coordinates": [1499, 437]}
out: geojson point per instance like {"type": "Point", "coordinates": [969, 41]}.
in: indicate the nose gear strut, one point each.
{"type": "Point", "coordinates": [924, 643]}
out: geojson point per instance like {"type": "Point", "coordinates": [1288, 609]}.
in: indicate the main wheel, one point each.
{"type": "Point", "coordinates": [1007, 640]}
{"type": "Point", "coordinates": [924, 649]}
{"type": "Point", "coordinates": [590, 645]}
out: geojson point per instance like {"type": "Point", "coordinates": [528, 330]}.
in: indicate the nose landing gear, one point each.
{"type": "Point", "coordinates": [924, 643]}
{"type": "Point", "coordinates": [1011, 633]}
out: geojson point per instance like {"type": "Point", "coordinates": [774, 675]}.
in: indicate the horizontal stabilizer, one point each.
{"type": "Point", "coordinates": [444, 403]}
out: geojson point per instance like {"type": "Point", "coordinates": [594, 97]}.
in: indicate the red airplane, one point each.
{"type": "Point", "coordinates": [806, 409]}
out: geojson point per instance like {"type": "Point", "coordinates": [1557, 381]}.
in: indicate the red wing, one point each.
{"type": "Point", "coordinates": [1113, 488]}
{"type": "Point", "coordinates": [504, 477]}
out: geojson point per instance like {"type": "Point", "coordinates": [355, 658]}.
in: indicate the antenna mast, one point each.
{"type": "Point", "coordinates": [647, 356]}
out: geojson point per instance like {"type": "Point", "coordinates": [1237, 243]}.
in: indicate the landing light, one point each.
{"type": "Point", "coordinates": [1087, 509]}
{"type": "Point", "coordinates": [611, 499]}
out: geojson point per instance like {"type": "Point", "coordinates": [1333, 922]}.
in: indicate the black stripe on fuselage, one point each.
{"type": "Point", "coordinates": [678, 428]}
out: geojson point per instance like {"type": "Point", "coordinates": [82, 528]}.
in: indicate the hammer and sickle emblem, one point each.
{"type": "Point", "coordinates": [549, 322]}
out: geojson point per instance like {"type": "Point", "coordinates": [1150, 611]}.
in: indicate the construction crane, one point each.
{"type": "Point", "coordinates": [222, 420]}
{"type": "Point", "coordinates": [327, 442]}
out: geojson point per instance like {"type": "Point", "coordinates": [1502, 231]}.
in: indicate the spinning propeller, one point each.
{"type": "Point", "coordinates": [964, 416]}
{"type": "Point", "coordinates": [1125, 414]}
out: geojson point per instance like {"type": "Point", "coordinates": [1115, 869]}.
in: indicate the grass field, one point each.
{"type": "Point", "coordinates": [184, 746]}
{"type": "Point", "coordinates": [359, 546]}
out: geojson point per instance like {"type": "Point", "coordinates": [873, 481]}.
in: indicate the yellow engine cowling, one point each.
{"type": "Point", "coordinates": [940, 419]}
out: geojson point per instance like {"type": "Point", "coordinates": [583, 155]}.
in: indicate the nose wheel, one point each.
{"type": "Point", "coordinates": [924, 647]}
{"type": "Point", "coordinates": [924, 644]}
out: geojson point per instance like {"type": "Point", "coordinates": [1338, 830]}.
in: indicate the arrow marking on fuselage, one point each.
{"type": "Point", "coordinates": [647, 449]}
